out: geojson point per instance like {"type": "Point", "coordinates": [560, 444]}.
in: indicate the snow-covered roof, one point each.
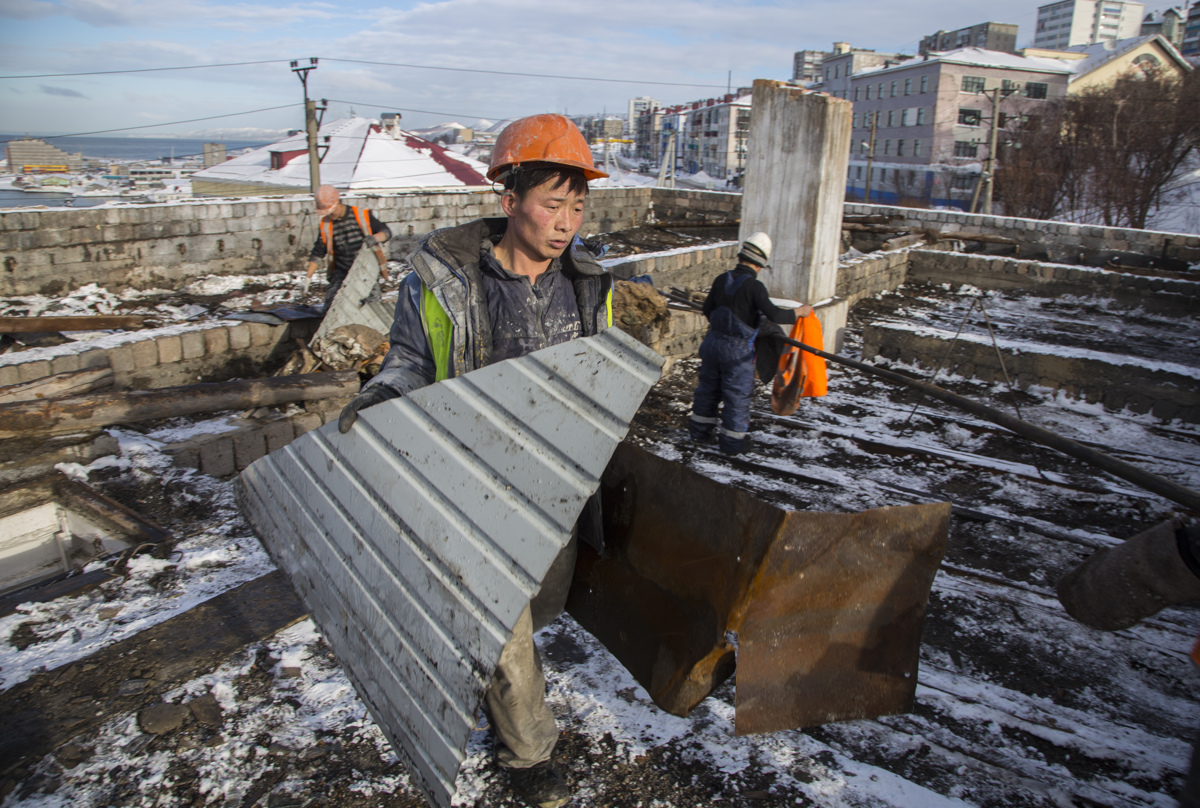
{"type": "Point", "coordinates": [980, 57]}
{"type": "Point", "coordinates": [359, 155]}
{"type": "Point", "coordinates": [1100, 53]}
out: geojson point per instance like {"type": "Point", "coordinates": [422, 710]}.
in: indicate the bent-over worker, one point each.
{"type": "Point", "coordinates": [496, 289]}
{"type": "Point", "coordinates": [343, 230]}
{"type": "Point", "coordinates": [734, 306]}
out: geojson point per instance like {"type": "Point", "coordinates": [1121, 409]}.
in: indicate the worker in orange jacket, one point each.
{"type": "Point", "coordinates": [342, 232]}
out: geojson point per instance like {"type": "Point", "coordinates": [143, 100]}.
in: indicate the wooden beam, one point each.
{"type": "Point", "coordinates": [83, 413]}
{"type": "Point", "coordinates": [72, 383]}
{"type": "Point", "coordinates": [38, 325]}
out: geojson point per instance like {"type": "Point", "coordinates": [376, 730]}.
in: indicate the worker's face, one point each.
{"type": "Point", "coordinates": [334, 212]}
{"type": "Point", "coordinates": [545, 219]}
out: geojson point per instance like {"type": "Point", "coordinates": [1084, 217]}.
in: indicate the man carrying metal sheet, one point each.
{"type": "Point", "coordinates": [496, 289]}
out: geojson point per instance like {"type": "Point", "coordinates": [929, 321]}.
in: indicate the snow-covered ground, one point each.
{"type": "Point", "coordinates": [1016, 705]}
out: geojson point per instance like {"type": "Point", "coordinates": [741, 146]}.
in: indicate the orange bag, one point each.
{"type": "Point", "coordinates": [800, 373]}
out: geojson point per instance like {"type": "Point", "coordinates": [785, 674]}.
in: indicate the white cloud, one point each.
{"type": "Point", "coordinates": [26, 9]}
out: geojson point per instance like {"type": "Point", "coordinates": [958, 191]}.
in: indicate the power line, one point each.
{"type": "Point", "coordinates": [525, 75]}
{"type": "Point", "coordinates": [168, 123]}
{"type": "Point", "coordinates": [142, 70]}
{"type": "Point", "coordinates": [404, 109]}
{"type": "Point", "coordinates": [364, 62]}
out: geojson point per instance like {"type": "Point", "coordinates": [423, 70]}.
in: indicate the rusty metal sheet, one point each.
{"type": "Point", "coordinates": [418, 538]}
{"type": "Point", "coordinates": [820, 613]}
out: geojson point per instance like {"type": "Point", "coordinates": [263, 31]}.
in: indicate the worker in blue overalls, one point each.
{"type": "Point", "coordinates": [734, 307]}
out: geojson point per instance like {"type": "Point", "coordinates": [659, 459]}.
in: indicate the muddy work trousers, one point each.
{"type": "Point", "coordinates": [727, 382]}
{"type": "Point", "coordinates": [516, 699]}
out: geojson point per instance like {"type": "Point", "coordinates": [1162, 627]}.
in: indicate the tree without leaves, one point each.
{"type": "Point", "coordinates": [1105, 154]}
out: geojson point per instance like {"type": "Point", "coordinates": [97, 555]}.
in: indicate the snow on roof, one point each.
{"type": "Point", "coordinates": [1099, 53]}
{"type": "Point", "coordinates": [358, 156]}
{"type": "Point", "coordinates": [980, 57]}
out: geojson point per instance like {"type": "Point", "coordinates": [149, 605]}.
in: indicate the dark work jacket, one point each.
{"type": "Point", "coordinates": [495, 313]}
{"type": "Point", "coordinates": [749, 302]}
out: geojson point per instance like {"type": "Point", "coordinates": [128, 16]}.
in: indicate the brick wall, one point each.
{"type": "Point", "coordinates": [143, 246]}
{"type": "Point", "coordinates": [1163, 294]}
{"type": "Point", "coordinates": [1115, 385]}
{"type": "Point", "coordinates": [165, 357]}
{"type": "Point", "coordinates": [1059, 240]}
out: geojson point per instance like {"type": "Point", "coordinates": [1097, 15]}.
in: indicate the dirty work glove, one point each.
{"type": "Point", "coordinates": [374, 296]}
{"type": "Point", "coordinates": [367, 398]}
{"type": "Point", "coordinates": [1119, 586]}
{"type": "Point", "coordinates": [304, 286]}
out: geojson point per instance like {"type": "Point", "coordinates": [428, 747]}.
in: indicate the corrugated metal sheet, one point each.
{"type": "Point", "coordinates": [418, 538]}
{"type": "Point", "coordinates": [348, 308]}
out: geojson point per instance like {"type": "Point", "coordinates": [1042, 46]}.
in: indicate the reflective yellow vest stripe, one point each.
{"type": "Point", "coordinates": [440, 330]}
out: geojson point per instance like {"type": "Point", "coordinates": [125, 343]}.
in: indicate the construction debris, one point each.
{"type": "Point", "coordinates": [418, 538]}
{"type": "Point", "coordinates": [637, 305]}
{"type": "Point", "coordinates": [351, 347]}
{"type": "Point", "coordinates": [83, 413]}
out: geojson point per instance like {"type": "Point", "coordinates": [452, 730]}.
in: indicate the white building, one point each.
{"type": "Point", "coordinates": [1084, 22]}
{"type": "Point", "coordinates": [636, 107]}
{"type": "Point", "coordinates": [356, 154]}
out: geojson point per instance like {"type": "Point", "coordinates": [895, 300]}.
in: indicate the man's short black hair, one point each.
{"type": "Point", "coordinates": [528, 176]}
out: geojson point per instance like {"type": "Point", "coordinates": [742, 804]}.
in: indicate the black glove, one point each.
{"type": "Point", "coordinates": [1121, 585]}
{"type": "Point", "coordinates": [367, 398]}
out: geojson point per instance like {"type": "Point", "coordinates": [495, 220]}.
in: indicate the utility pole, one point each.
{"type": "Point", "coordinates": [983, 188]}
{"type": "Point", "coordinates": [666, 171]}
{"type": "Point", "coordinates": [870, 157]}
{"type": "Point", "coordinates": [310, 123]}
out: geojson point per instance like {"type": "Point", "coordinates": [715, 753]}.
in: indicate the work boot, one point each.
{"type": "Point", "coordinates": [1119, 586]}
{"type": "Point", "coordinates": [732, 446]}
{"type": "Point", "coordinates": [542, 785]}
{"type": "Point", "coordinates": [699, 432]}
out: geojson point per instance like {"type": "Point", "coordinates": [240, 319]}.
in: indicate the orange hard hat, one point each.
{"type": "Point", "coordinates": [545, 138]}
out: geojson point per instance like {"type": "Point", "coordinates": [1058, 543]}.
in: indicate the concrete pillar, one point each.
{"type": "Point", "coordinates": [797, 157]}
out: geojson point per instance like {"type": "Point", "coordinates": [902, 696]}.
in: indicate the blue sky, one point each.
{"type": "Point", "coordinates": [692, 42]}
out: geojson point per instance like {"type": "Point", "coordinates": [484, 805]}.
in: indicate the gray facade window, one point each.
{"type": "Point", "coordinates": [916, 148]}
{"type": "Point", "coordinates": [908, 86]}
{"type": "Point", "coordinates": [856, 89]}
{"type": "Point", "coordinates": [920, 116]}
{"type": "Point", "coordinates": [973, 84]}
{"type": "Point", "coordinates": [891, 117]}
{"type": "Point", "coordinates": [969, 117]}
{"type": "Point", "coordinates": [894, 89]}
{"type": "Point", "coordinates": [964, 148]}
{"type": "Point", "coordinates": [887, 146]}
{"type": "Point", "coordinates": [924, 84]}
{"type": "Point", "coordinates": [1036, 89]}
{"type": "Point", "coordinates": [868, 92]}
{"type": "Point", "coordinates": [900, 148]}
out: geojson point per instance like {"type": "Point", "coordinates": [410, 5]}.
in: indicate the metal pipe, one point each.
{"type": "Point", "coordinates": [1118, 468]}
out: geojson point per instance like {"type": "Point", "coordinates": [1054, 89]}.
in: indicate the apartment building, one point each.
{"type": "Point", "coordinates": [1083, 22]}
{"type": "Point", "coordinates": [846, 62]}
{"type": "Point", "coordinates": [996, 36]}
{"type": "Point", "coordinates": [1190, 46]}
{"type": "Point", "coordinates": [921, 126]}
{"type": "Point", "coordinates": [709, 135]}
{"type": "Point", "coordinates": [32, 156]}
{"type": "Point", "coordinates": [806, 66]}
{"type": "Point", "coordinates": [636, 107]}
